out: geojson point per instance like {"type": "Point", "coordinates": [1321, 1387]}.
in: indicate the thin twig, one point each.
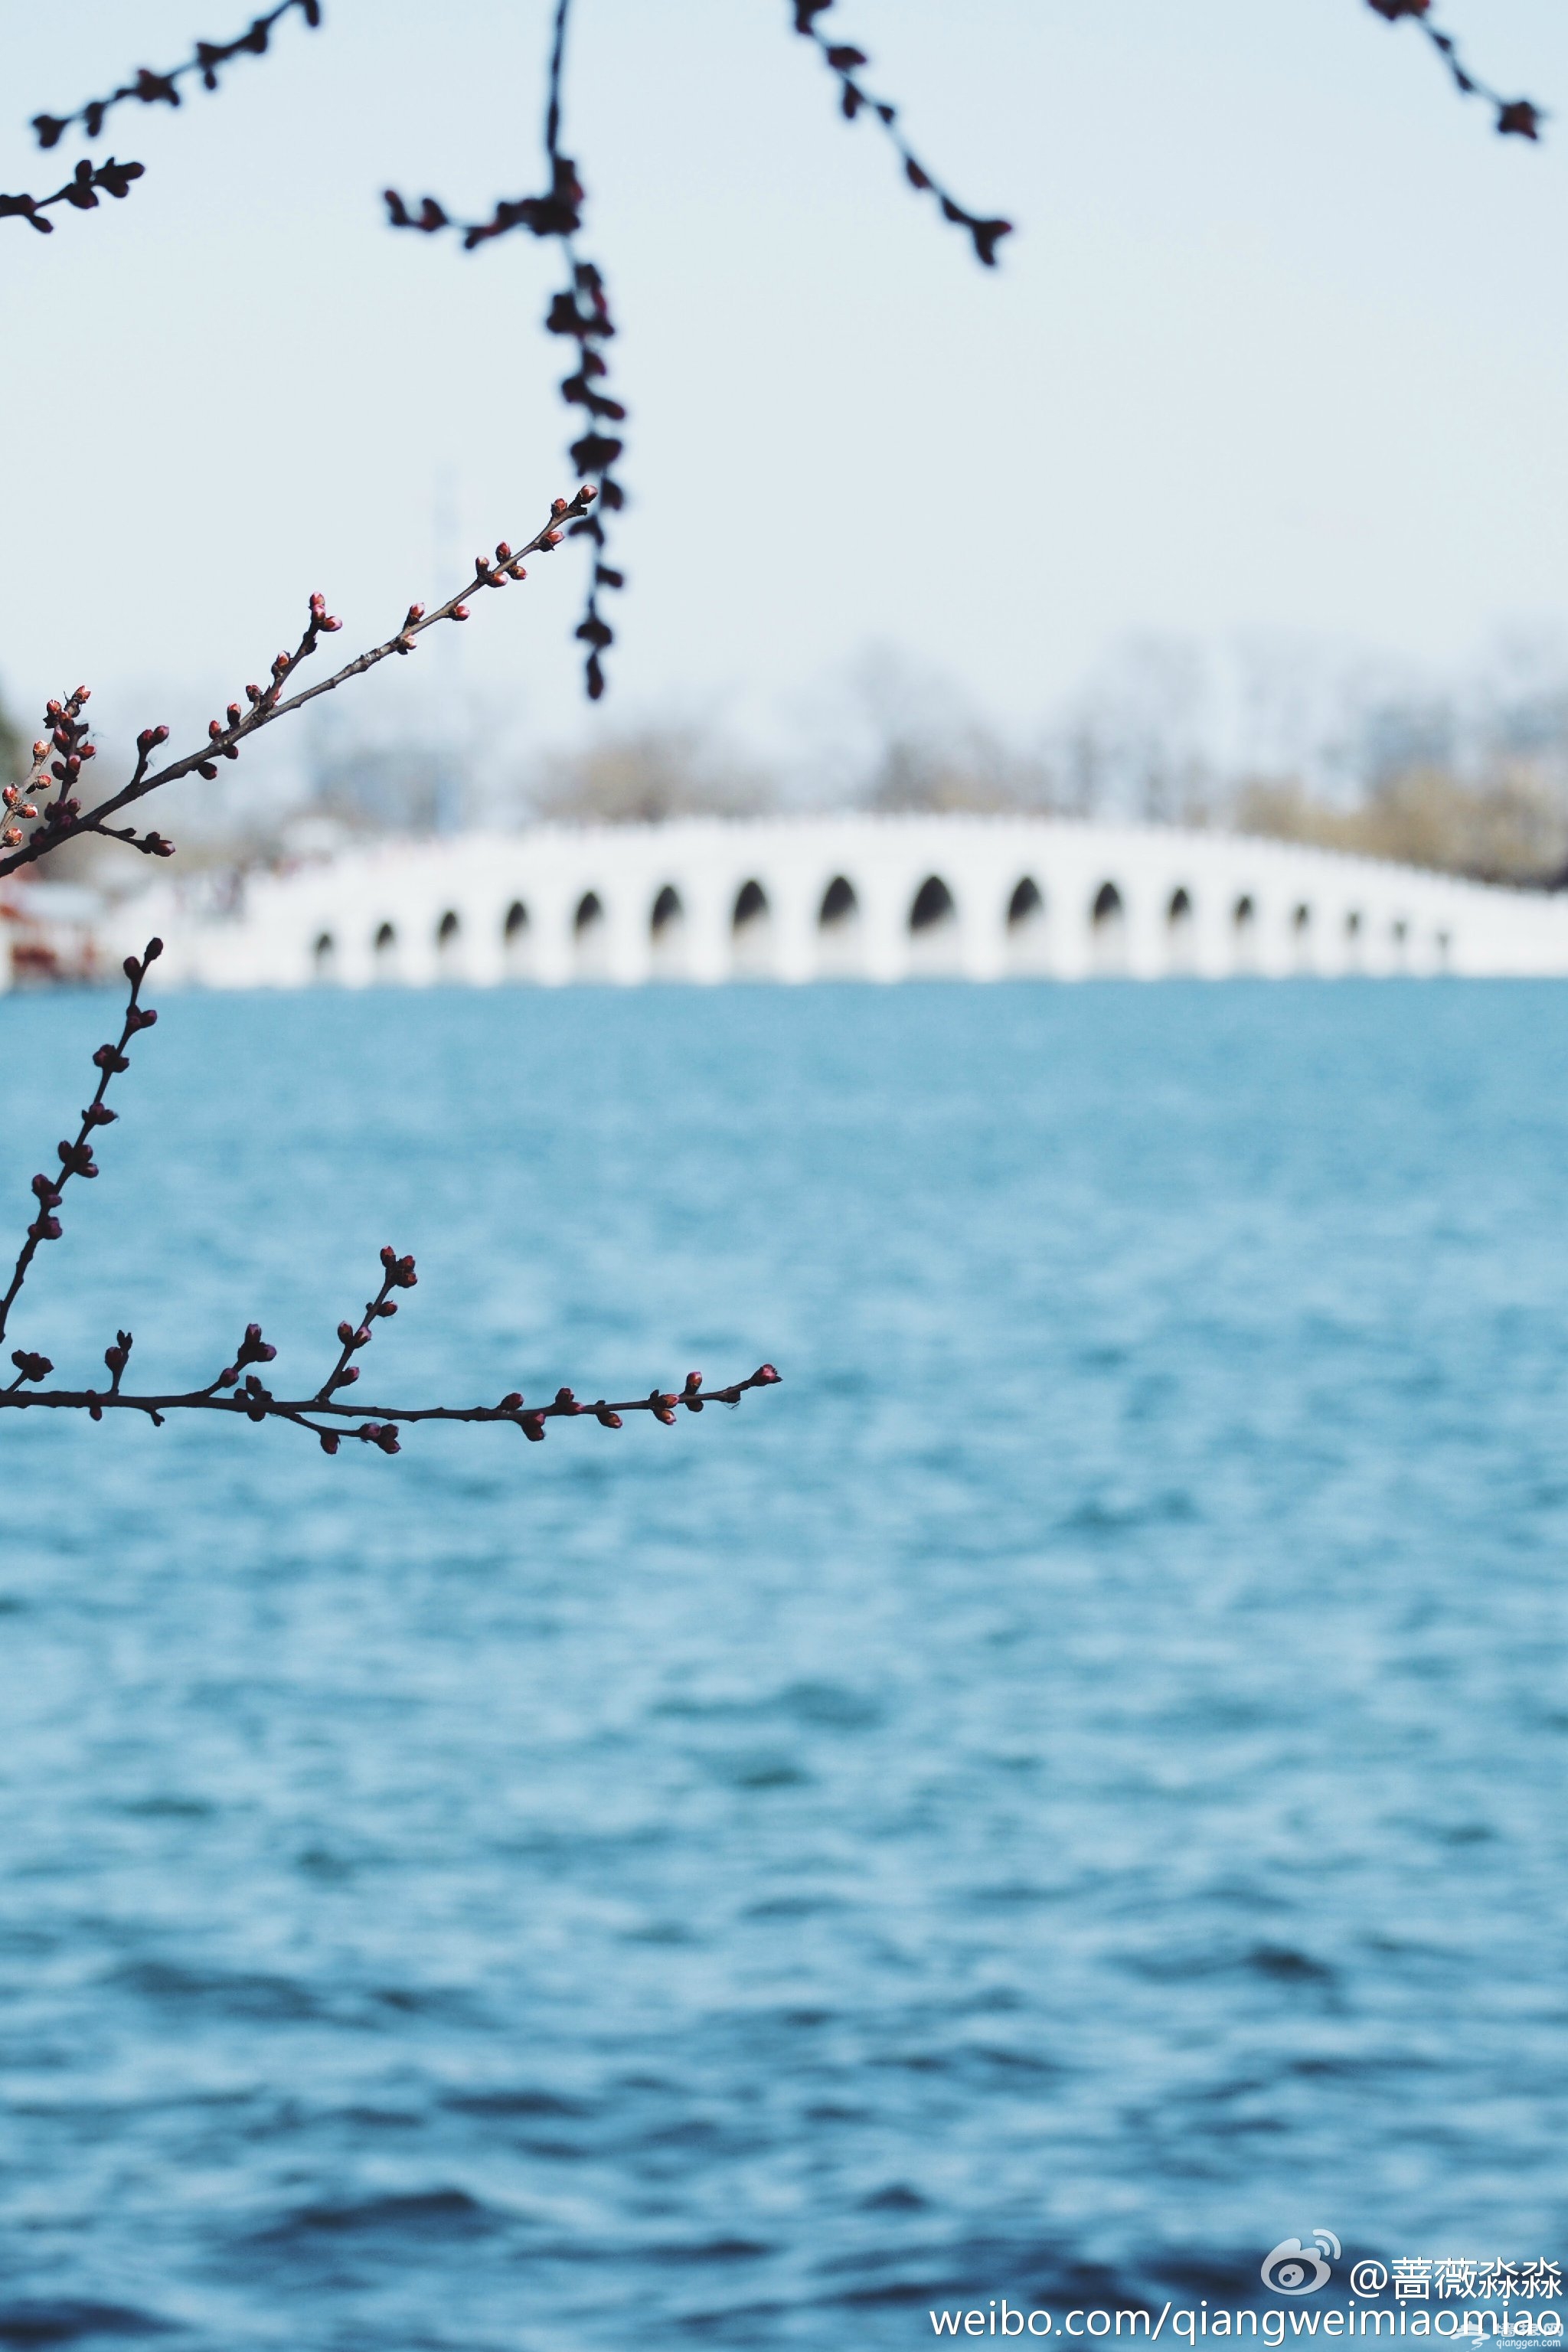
{"type": "Point", "coordinates": [255, 1402]}
{"type": "Point", "coordinates": [1517, 118]}
{"type": "Point", "coordinates": [162, 89]}
{"type": "Point", "coordinates": [80, 191]}
{"type": "Point", "coordinates": [75, 1159]}
{"type": "Point", "coordinates": [239, 1388]}
{"type": "Point", "coordinates": [854, 99]}
{"type": "Point", "coordinates": [580, 309]}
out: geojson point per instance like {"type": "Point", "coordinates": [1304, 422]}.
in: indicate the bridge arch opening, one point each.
{"type": "Point", "coordinates": [838, 931]}
{"type": "Point", "coordinates": [1245, 924]}
{"type": "Point", "coordinates": [934, 937]}
{"type": "Point", "coordinates": [449, 945]}
{"type": "Point", "coordinates": [324, 956]}
{"type": "Point", "coordinates": [1107, 930]}
{"type": "Point", "coordinates": [516, 940]}
{"type": "Point", "coordinates": [1181, 931]}
{"type": "Point", "coordinates": [590, 936]}
{"type": "Point", "coordinates": [1025, 939]}
{"type": "Point", "coordinates": [1026, 905]}
{"type": "Point", "coordinates": [384, 952]}
{"type": "Point", "coordinates": [1301, 936]}
{"type": "Point", "coordinates": [751, 906]}
{"type": "Point", "coordinates": [839, 903]}
{"type": "Point", "coordinates": [667, 934]}
{"type": "Point", "coordinates": [751, 932]}
{"type": "Point", "coordinates": [933, 905]}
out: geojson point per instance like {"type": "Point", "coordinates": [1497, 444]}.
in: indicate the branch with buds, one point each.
{"type": "Point", "coordinates": [581, 310]}
{"type": "Point", "coordinates": [60, 757]}
{"type": "Point", "coordinates": [1517, 118]}
{"type": "Point", "coordinates": [164, 88]}
{"type": "Point", "coordinates": [845, 61]}
{"type": "Point", "coordinates": [239, 1388]}
{"type": "Point", "coordinates": [80, 191]}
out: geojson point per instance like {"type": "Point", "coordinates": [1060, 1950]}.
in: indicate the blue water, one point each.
{"type": "Point", "coordinates": [1063, 1793]}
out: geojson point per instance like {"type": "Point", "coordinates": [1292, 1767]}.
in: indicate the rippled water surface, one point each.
{"type": "Point", "coordinates": [1062, 1793]}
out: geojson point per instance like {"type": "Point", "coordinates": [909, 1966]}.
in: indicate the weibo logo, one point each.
{"type": "Point", "coordinates": [1292, 2268]}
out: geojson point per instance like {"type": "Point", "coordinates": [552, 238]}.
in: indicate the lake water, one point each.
{"type": "Point", "coordinates": [1061, 1794]}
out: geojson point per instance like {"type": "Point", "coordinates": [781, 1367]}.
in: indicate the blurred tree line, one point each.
{"type": "Point", "coordinates": [1275, 738]}
{"type": "Point", "coordinates": [1277, 741]}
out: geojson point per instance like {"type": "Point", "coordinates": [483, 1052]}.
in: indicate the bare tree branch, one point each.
{"type": "Point", "coordinates": [854, 99]}
{"type": "Point", "coordinates": [162, 89]}
{"type": "Point", "coordinates": [59, 758]}
{"type": "Point", "coordinates": [581, 310]}
{"type": "Point", "coordinates": [239, 1389]}
{"type": "Point", "coordinates": [75, 1159]}
{"type": "Point", "coordinates": [80, 191]}
{"type": "Point", "coordinates": [1518, 118]}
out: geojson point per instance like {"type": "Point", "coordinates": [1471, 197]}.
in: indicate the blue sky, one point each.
{"type": "Point", "coordinates": [1279, 347]}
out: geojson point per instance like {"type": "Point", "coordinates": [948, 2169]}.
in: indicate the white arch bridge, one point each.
{"type": "Point", "coordinates": [881, 899]}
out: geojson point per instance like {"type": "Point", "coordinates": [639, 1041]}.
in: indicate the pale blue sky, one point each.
{"type": "Point", "coordinates": [1281, 345]}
